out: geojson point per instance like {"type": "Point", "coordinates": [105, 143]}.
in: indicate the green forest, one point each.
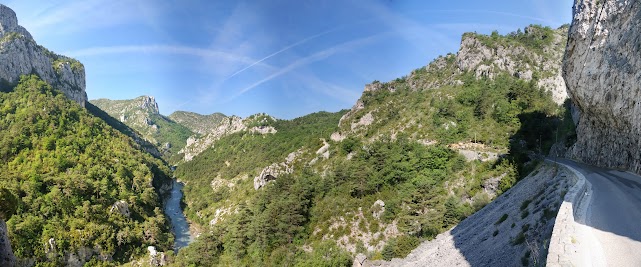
{"type": "Point", "coordinates": [63, 169]}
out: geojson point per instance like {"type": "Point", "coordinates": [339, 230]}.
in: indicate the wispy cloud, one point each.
{"type": "Point", "coordinates": [167, 49]}
{"type": "Point", "coordinates": [318, 56]}
{"type": "Point", "coordinates": [282, 50]}
{"type": "Point", "coordinates": [66, 17]}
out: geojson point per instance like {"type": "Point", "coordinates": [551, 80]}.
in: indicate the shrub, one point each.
{"type": "Point", "coordinates": [502, 219]}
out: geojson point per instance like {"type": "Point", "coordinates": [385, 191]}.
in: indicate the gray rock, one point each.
{"type": "Point", "coordinates": [601, 69]}
{"type": "Point", "coordinates": [21, 55]}
{"type": "Point", "coordinates": [378, 208]}
{"type": "Point", "coordinates": [121, 207]}
{"type": "Point", "coordinates": [6, 254]}
{"type": "Point", "coordinates": [359, 260]}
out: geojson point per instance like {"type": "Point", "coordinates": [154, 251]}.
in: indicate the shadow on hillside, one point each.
{"type": "Point", "coordinates": [483, 238]}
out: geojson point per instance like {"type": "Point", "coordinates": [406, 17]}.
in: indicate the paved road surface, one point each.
{"type": "Point", "coordinates": [614, 213]}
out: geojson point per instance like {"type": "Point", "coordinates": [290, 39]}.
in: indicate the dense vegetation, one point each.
{"type": "Point", "coordinates": [248, 152]}
{"type": "Point", "coordinates": [402, 154]}
{"type": "Point", "coordinates": [66, 169]}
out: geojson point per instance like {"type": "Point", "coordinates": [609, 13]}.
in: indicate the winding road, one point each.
{"type": "Point", "coordinates": [613, 214]}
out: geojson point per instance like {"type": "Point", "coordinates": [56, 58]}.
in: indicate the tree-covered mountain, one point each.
{"type": "Point", "coordinates": [142, 115]}
{"type": "Point", "coordinates": [412, 158]}
{"type": "Point", "coordinates": [85, 192]}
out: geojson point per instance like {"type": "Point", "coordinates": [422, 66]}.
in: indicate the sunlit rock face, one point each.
{"type": "Point", "coordinates": [602, 70]}
{"type": "Point", "coordinates": [20, 55]}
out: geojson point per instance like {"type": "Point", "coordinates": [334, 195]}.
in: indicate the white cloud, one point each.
{"type": "Point", "coordinates": [168, 49]}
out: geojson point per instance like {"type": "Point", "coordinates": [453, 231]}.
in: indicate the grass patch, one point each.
{"type": "Point", "coordinates": [524, 214]}
{"type": "Point", "coordinates": [502, 219]}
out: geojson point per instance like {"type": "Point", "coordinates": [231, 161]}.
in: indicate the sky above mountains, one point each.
{"type": "Point", "coordinates": [286, 58]}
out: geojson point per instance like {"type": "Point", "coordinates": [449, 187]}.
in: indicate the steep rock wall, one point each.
{"type": "Point", "coordinates": [20, 55]}
{"type": "Point", "coordinates": [602, 72]}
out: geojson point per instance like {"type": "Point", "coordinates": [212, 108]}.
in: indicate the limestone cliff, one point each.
{"type": "Point", "coordinates": [601, 70]}
{"type": "Point", "coordinates": [20, 55]}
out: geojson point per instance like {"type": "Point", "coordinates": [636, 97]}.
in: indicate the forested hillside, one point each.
{"type": "Point", "coordinates": [83, 190]}
{"type": "Point", "coordinates": [412, 158]}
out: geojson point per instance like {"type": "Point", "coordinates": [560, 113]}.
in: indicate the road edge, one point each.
{"type": "Point", "coordinates": [566, 246]}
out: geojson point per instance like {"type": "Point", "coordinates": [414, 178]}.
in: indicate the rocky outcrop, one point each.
{"type": "Point", "coordinates": [485, 60]}
{"type": "Point", "coordinates": [21, 55]}
{"type": "Point", "coordinates": [6, 254]}
{"type": "Point", "coordinates": [601, 70]}
{"type": "Point", "coordinates": [197, 145]}
{"type": "Point", "coordinates": [271, 172]}
{"type": "Point", "coordinates": [258, 123]}
{"type": "Point", "coordinates": [156, 258]}
{"type": "Point", "coordinates": [121, 207]}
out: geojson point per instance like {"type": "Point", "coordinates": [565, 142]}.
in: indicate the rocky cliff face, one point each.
{"type": "Point", "coordinates": [20, 55]}
{"type": "Point", "coordinates": [6, 254]}
{"type": "Point", "coordinates": [601, 69]}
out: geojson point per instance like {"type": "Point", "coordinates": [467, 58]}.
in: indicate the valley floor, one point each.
{"type": "Point", "coordinates": [513, 230]}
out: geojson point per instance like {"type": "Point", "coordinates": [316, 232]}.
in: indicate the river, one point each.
{"type": "Point", "coordinates": [179, 224]}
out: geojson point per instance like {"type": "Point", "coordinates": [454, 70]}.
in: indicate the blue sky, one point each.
{"type": "Point", "coordinates": [286, 58]}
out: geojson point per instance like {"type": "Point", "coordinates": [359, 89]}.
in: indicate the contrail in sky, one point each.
{"type": "Point", "coordinates": [283, 50]}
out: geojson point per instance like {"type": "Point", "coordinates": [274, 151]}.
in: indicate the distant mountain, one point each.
{"type": "Point", "coordinates": [412, 158]}
{"type": "Point", "coordinates": [142, 115]}
{"type": "Point", "coordinates": [197, 123]}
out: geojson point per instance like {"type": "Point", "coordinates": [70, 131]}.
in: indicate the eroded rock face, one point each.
{"type": "Point", "coordinates": [21, 55]}
{"type": "Point", "coordinates": [601, 69]}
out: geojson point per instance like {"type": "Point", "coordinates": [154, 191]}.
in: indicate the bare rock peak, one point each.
{"type": "Point", "coordinates": [21, 55]}
{"type": "Point", "coordinates": [148, 103]}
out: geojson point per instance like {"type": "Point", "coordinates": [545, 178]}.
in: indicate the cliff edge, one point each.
{"type": "Point", "coordinates": [600, 68]}
{"type": "Point", "coordinates": [20, 55]}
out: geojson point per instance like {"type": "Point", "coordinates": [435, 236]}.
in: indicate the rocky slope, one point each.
{"type": "Point", "coordinates": [20, 55]}
{"type": "Point", "coordinates": [197, 123]}
{"type": "Point", "coordinates": [142, 115]}
{"type": "Point", "coordinates": [601, 69]}
{"type": "Point", "coordinates": [517, 224]}
{"type": "Point", "coordinates": [257, 123]}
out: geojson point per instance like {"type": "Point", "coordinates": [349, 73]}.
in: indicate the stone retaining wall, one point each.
{"type": "Point", "coordinates": [564, 246]}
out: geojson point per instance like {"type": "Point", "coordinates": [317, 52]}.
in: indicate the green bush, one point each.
{"type": "Point", "coordinates": [502, 219]}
